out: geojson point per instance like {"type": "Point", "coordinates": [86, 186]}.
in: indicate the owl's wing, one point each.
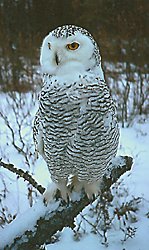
{"type": "Point", "coordinates": [38, 135]}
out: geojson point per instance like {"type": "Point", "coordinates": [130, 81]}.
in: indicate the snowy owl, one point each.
{"type": "Point", "coordinates": [75, 128]}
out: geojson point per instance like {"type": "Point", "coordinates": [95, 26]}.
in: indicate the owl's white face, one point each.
{"type": "Point", "coordinates": [63, 56]}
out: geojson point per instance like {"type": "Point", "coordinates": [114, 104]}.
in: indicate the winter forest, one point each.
{"type": "Point", "coordinates": [118, 219]}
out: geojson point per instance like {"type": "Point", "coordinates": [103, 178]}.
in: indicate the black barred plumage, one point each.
{"type": "Point", "coordinates": [75, 128]}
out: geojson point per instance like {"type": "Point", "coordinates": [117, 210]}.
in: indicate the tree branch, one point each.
{"type": "Point", "coordinates": [64, 215]}
{"type": "Point", "coordinates": [24, 174]}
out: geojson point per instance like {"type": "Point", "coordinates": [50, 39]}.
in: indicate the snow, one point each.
{"type": "Point", "coordinates": [67, 242]}
{"type": "Point", "coordinates": [134, 141]}
{"type": "Point", "coordinates": [25, 221]}
{"type": "Point", "coordinates": [91, 241]}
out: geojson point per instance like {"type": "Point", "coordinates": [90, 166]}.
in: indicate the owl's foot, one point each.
{"type": "Point", "coordinates": [52, 189]}
{"type": "Point", "coordinates": [50, 193]}
{"type": "Point", "coordinates": [92, 189]}
{"type": "Point", "coordinates": [64, 191]}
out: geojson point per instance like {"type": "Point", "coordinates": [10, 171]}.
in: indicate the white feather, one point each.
{"type": "Point", "coordinates": [71, 62]}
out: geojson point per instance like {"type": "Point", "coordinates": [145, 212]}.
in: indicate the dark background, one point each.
{"type": "Point", "coordinates": [121, 28]}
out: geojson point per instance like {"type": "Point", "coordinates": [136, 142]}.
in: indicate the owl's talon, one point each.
{"type": "Point", "coordinates": [45, 202]}
{"type": "Point", "coordinates": [91, 198]}
{"type": "Point", "coordinates": [50, 193]}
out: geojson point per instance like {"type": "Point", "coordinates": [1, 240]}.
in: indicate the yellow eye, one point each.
{"type": "Point", "coordinates": [72, 46]}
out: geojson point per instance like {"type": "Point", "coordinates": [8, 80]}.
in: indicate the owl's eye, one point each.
{"type": "Point", "coordinates": [72, 46]}
{"type": "Point", "coordinates": [49, 45]}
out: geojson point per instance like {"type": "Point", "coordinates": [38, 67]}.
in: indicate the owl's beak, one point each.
{"type": "Point", "coordinates": [57, 59]}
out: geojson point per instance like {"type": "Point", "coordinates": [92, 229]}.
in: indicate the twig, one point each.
{"type": "Point", "coordinates": [24, 174]}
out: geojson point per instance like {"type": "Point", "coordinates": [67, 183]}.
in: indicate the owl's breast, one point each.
{"type": "Point", "coordinates": [68, 106]}
{"type": "Point", "coordinates": [79, 126]}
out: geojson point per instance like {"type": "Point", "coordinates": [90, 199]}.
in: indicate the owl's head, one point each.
{"type": "Point", "coordinates": [69, 49]}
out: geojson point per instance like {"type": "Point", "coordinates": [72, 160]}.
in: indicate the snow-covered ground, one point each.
{"type": "Point", "coordinates": [14, 202]}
